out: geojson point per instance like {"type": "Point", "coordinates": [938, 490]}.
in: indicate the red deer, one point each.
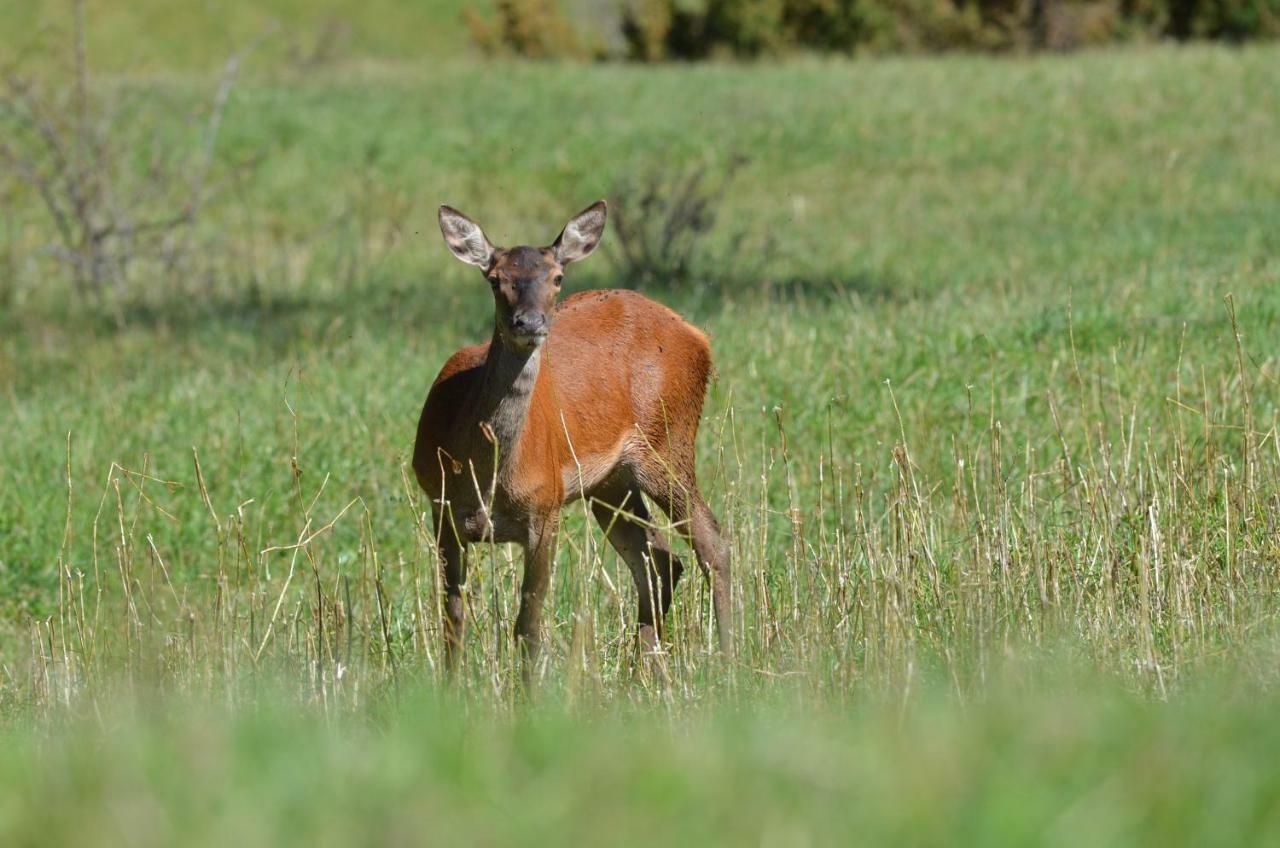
{"type": "Point", "coordinates": [597, 397]}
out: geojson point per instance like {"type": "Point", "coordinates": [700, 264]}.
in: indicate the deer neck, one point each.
{"type": "Point", "coordinates": [507, 394]}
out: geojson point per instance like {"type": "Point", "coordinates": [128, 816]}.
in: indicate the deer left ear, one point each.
{"type": "Point", "coordinates": [581, 235]}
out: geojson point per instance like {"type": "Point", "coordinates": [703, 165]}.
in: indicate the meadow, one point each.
{"type": "Point", "coordinates": [993, 434]}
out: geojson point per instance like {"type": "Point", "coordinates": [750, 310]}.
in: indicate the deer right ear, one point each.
{"type": "Point", "coordinates": [465, 238]}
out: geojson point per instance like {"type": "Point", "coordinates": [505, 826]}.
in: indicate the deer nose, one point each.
{"type": "Point", "coordinates": [529, 323]}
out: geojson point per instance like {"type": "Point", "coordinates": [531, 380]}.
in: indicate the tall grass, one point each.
{"type": "Point", "coordinates": [993, 436]}
{"type": "Point", "coordinates": [1142, 540]}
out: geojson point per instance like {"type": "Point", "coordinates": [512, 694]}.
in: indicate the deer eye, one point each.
{"type": "Point", "coordinates": [559, 278]}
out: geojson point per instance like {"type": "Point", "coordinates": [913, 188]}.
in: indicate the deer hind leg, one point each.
{"type": "Point", "coordinates": [676, 493]}
{"type": "Point", "coordinates": [621, 513]}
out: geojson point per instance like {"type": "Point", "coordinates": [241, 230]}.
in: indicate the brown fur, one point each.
{"type": "Point", "coordinates": [628, 376]}
{"type": "Point", "coordinates": [616, 397]}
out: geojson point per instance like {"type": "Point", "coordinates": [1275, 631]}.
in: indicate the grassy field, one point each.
{"type": "Point", "coordinates": [1085, 766]}
{"type": "Point", "coordinates": [147, 37]}
{"type": "Point", "coordinates": [993, 435]}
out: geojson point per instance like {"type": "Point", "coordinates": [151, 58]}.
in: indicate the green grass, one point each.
{"type": "Point", "coordinates": [981, 403]}
{"type": "Point", "coordinates": [197, 36]}
{"type": "Point", "coordinates": [1087, 766]}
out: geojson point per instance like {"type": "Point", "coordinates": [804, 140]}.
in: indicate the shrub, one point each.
{"type": "Point", "coordinates": [652, 30]}
{"type": "Point", "coordinates": [535, 29]}
{"type": "Point", "coordinates": [915, 25]}
{"type": "Point", "coordinates": [662, 222]}
{"type": "Point", "coordinates": [645, 25]}
{"type": "Point", "coordinates": [1237, 20]}
{"type": "Point", "coordinates": [749, 28]}
{"type": "Point", "coordinates": [1069, 25]}
{"type": "Point", "coordinates": [117, 211]}
{"type": "Point", "coordinates": [746, 27]}
{"type": "Point", "coordinates": [827, 24]}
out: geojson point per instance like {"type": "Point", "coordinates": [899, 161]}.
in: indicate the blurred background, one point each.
{"type": "Point", "coordinates": [993, 290]}
{"type": "Point", "coordinates": [222, 148]}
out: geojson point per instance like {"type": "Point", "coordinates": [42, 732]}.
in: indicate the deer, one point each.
{"type": "Point", "coordinates": [598, 396]}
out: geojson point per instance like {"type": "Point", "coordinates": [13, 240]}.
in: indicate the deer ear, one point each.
{"type": "Point", "coordinates": [465, 238]}
{"type": "Point", "coordinates": [581, 235]}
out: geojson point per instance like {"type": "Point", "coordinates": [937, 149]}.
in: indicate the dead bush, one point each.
{"type": "Point", "coordinates": [662, 224]}
{"type": "Point", "coordinates": [113, 208]}
{"type": "Point", "coordinates": [534, 29]}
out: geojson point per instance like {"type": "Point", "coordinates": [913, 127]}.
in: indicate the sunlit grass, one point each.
{"type": "Point", "coordinates": [993, 435]}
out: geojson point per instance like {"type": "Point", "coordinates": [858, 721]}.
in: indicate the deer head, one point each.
{"type": "Point", "coordinates": [525, 280]}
